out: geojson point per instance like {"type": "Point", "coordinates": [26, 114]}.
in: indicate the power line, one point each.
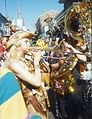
{"type": "Point", "coordinates": [6, 8]}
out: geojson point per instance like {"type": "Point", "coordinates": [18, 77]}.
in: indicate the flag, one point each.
{"type": "Point", "coordinates": [12, 105]}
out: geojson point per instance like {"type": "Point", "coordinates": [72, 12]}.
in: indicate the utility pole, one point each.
{"type": "Point", "coordinates": [6, 8]}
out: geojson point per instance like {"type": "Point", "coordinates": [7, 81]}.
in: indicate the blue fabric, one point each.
{"type": "Point", "coordinates": [36, 117]}
{"type": "Point", "coordinates": [8, 87]}
{"type": "Point", "coordinates": [33, 117]}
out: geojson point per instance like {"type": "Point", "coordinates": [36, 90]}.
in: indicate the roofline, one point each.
{"type": "Point", "coordinates": [5, 18]}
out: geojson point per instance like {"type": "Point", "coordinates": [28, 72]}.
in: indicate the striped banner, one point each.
{"type": "Point", "coordinates": [12, 105]}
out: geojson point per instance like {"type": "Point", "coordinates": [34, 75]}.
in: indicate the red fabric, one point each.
{"type": "Point", "coordinates": [1, 49]}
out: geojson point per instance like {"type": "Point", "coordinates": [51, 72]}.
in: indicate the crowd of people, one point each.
{"type": "Point", "coordinates": [28, 82]}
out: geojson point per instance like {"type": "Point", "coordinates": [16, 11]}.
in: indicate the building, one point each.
{"type": "Point", "coordinates": [55, 16]}
{"type": "Point", "coordinates": [20, 25]}
{"type": "Point", "coordinates": [68, 3]}
{"type": "Point", "coordinates": [42, 23]}
{"type": "Point", "coordinates": [3, 20]}
{"type": "Point", "coordinates": [4, 25]}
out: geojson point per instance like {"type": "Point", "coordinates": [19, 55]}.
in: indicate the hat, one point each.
{"type": "Point", "coordinates": [18, 36]}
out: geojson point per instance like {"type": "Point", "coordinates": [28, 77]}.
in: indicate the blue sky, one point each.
{"type": "Point", "coordinates": [30, 9]}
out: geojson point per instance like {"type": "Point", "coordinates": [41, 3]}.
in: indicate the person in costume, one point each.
{"type": "Point", "coordinates": [75, 103]}
{"type": "Point", "coordinates": [66, 74]}
{"type": "Point", "coordinates": [16, 53]}
{"type": "Point", "coordinates": [26, 66]}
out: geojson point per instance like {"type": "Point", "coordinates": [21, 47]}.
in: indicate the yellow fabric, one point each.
{"type": "Point", "coordinates": [45, 77]}
{"type": "Point", "coordinates": [14, 107]}
{"type": "Point", "coordinates": [3, 71]}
